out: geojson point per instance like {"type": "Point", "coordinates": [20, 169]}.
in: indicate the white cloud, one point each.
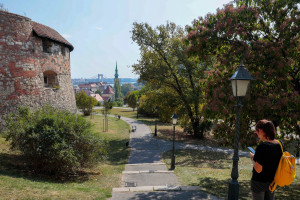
{"type": "Point", "coordinates": [66, 35]}
{"type": "Point", "coordinates": [99, 28]}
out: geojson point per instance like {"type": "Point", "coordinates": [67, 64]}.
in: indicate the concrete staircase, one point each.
{"type": "Point", "coordinates": [154, 181]}
{"type": "Point", "coordinates": [146, 177]}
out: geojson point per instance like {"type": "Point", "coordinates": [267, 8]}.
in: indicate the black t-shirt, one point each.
{"type": "Point", "coordinates": [268, 155]}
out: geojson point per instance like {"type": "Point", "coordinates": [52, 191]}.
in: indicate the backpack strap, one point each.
{"type": "Point", "coordinates": [272, 186]}
{"type": "Point", "coordinates": [280, 145]}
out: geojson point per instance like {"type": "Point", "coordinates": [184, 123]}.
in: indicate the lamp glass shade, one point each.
{"type": "Point", "coordinates": [174, 119]}
{"type": "Point", "coordinates": [239, 87]}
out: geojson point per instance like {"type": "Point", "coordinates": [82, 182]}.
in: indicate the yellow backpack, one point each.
{"type": "Point", "coordinates": [286, 171]}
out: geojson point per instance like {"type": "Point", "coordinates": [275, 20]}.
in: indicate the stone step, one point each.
{"type": "Point", "coordinates": [156, 188]}
{"type": "Point", "coordinates": [146, 167]}
{"type": "Point", "coordinates": [147, 171]}
{"type": "Point", "coordinates": [165, 195]}
{"type": "Point", "coordinates": [154, 163]}
{"type": "Point", "coordinates": [149, 179]}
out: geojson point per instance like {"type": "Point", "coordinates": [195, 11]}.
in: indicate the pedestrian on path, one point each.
{"type": "Point", "coordinates": [265, 161]}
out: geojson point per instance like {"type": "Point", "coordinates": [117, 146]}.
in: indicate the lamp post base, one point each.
{"type": "Point", "coordinates": [233, 193]}
{"type": "Point", "coordinates": [172, 163]}
{"type": "Point", "coordinates": [155, 130]}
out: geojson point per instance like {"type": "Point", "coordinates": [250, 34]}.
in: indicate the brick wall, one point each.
{"type": "Point", "coordinates": [23, 62]}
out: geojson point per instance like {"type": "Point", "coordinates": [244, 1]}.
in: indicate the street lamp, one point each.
{"type": "Point", "coordinates": [155, 130]}
{"type": "Point", "coordinates": [240, 81]}
{"type": "Point", "coordinates": [174, 122]}
{"type": "Point", "coordinates": [137, 109]}
{"type": "Point", "coordinates": [298, 137]}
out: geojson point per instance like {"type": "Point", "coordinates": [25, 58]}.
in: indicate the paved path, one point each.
{"type": "Point", "coordinates": [146, 176]}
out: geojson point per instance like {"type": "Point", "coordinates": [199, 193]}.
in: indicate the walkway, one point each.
{"type": "Point", "coordinates": [147, 177]}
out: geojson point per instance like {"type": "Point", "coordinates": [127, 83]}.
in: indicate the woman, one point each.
{"type": "Point", "coordinates": [265, 160]}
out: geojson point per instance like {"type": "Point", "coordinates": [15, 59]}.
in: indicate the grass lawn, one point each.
{"type": "Point", "coordinates": [211, 171]}
{"type": "Point", "coordinates": [123, 112]}
{"type": "Point", "coordinates": [18, 183]}
{"type": "Point", "coordinates": [164, 130]}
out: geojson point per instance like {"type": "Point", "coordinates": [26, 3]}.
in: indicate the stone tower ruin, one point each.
{"type": "Point", "coordinates": [34, 66]}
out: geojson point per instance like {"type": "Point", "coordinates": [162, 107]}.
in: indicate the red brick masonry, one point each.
{"type": "Point", "coordinates": [28, 50]}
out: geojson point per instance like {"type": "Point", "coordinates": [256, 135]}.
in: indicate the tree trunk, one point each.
{"type": "Point", "coordinates": [198, 132]}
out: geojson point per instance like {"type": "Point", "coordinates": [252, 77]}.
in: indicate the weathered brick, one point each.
{"type": "Point", "coordinates": [12, 97]}
{"type": "Point", "coordinates": [22, 67]}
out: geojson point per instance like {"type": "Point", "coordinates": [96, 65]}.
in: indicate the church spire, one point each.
{"type": "Point", "coordinates": [116, 74]}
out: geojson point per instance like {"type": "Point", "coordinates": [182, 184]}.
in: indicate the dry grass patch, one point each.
{"type": "Point", "coordinates": [211, 171]}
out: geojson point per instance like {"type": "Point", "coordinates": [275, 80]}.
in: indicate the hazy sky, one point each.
{"type": "Point", "coordinates": [99, 30]}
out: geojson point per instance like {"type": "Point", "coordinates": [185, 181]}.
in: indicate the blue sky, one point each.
{"type": "Point", "coordinates": [99, 30]}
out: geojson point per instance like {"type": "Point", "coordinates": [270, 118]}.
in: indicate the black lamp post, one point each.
{"type": "Point", "coordinates": [298, 137]}
{"type": "Point", "coordinates": [174, 122]}
{"type": "Point", "coordinates": [137, 109]}
{"type": "Point", "coordinates": [155, 130]}
{"type": "Point", "coordinates": [240, 82]}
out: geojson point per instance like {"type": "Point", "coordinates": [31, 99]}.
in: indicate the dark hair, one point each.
{"type": "Point", "coordinates": [267, 127]}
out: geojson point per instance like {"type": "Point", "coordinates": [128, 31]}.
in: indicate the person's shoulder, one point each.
{"type": "Point", "coordinates": [266, 145]}
{"type": "Point", "coordinates": [280, 145]}
{"type": "Point", "coordinates": [279, 142]}
{"type": "Point", "coordinates": [261, 146]}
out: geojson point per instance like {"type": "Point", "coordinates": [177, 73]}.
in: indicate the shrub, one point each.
{"type": "Point", "coordinates": [85, 102]}
{"type": "Point", "coordinates": [54, 141]}
{"type": "Point", "coordinates": [118, 103]}
{"type": "Point", "coordinates": [99, 103]}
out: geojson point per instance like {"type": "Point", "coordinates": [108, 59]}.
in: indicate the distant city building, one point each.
{"type": "Point", "coordinates": [97, 97]}
{"type": "Point", "coordinates": [109, 87]}
{"type": "Point", "coordinates": [77, 81]}
{"type": "Point", "coordinates": [108, 93]}
{"type": "Point", "coordinates": [116, 71]}
{"type": "Point", "coordinates": [117, 85]}
{"type": "Point", "coordinates": [88, 88]}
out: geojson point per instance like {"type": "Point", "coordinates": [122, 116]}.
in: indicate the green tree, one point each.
{"type": "Point", "coordinates": [162, 98]}
{"type": "Point", "coordinates": [263, 34]}
{"type": "Point", "coordinates": [107, 106]}
{"type": "Point", "coordinates": [125, 88]}
{"type": "Point", "coordinates": [131, 99]}
{"type": "Point", "coordinates": [85, 102]}
{"type": "Point", "coordinates": [164, 64]}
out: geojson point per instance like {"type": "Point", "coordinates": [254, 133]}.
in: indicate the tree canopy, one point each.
{"type": "Point", "coordinates": [264, 35]}
{"type": "Point", "coordinates": [164, 65]}
{"type": "Point", "coordinates": [85, 102]}
{"type": "Point", "coordinates": [125, 88]}
{"type": "Point", "coordinates": [131, 99]}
